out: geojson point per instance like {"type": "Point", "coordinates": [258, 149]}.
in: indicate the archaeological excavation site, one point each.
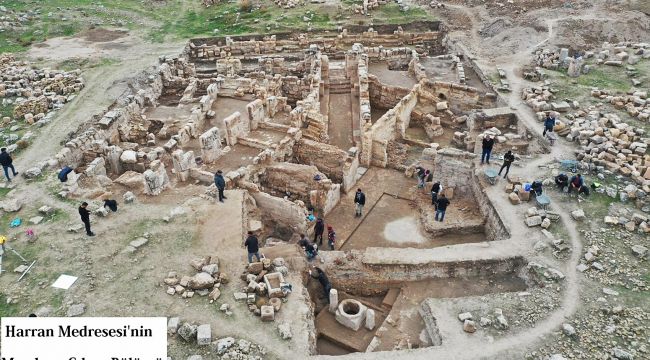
{"type": "Point", "coordinates": [342, 190]}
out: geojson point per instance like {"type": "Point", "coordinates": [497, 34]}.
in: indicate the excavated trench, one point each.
{"type": "Point", "coordinates": [395, 294]}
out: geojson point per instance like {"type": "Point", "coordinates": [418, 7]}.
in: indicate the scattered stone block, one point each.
{"type": "Point", "coordinates": [172, 325]}
{"type": "Point", "coordinates": [204, 334]}
{"type": "Point", "coordinates": [640, 251]}
{"type": "Point", "coordinates": [284, 329]}
{"type": "Point", "coordinates": [76, 310]}
{"type": "Point", "coordinates": [465, 316]}
{"type": "Point", "coordinates": [578, 214]}
{"type": "Point", "coordinates": [187, 331]}
{"type": "Point", "coordinates": [267, 313]}
{"type": "Point", "coordinates": [514, 198]}
{"type": "Point", "coordinates": [201, 281]}
{"type": "Point", "coordinates": [534, 221]}
{"type": "Point", "coordinates": [224, 344]}
{"type": "Point", "coordinates": [36, 220]}
{"type": "Point", "coordinates": [469, 326]}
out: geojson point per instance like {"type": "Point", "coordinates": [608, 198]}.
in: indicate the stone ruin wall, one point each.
{"type": "Point", "coordinates": [360, 278]}
{"type": "Point", "coordinates": [495, 228]}
{"type": "Point", "coordinates": [247, 46]}
{"type": "Point", "coordinates": [337, 164]}
{"type": "Point", "coordinates": [384, 96]}
{"type": "Point", "coordinates": [375, 137]}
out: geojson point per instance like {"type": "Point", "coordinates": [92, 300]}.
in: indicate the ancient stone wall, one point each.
{"type": "Point", "coordinates": [454, 169]}
{"type": "Point", "coordinates": [390, 126]}
{"type": "Point", "coordinates": [327, 158]}
{"type": "Point", "coordinates": [283, 215]}
{"type": "Point", "coordinates": [388, 36]}
{"type": "Point", "coordinates": [495, 228]}
{"type": "Point", "coordinates": [460, 97]}
{"type": "Point", "coordinates": [384, 96]}
{"type": "Point", "coordinates": [369, 279]}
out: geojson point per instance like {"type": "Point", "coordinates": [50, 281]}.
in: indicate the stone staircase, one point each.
{"type": "Point", "coordinates": [338, 83]}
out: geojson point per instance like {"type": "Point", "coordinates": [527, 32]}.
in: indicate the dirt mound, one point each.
{"type": "Point", "coordinates": [495, 27]}
{"type": "Point", "coordinates": [587, 32]}
{"type": "Point", "coordinates": [103, 35]}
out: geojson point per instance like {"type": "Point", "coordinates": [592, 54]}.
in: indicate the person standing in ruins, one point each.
{"type": "Point", "coordinates": [488, 144]}
{"type": "Point", "coordinates": [436, 188]}
{"type": "Point", "coordinates": [421, 176]}
{"type": "Point", "coordinates": [85, 217]}
{"type": "Point", "coordinates": [252, 246]}
{"type": "Point", "coordinates": [508, 159]}
{"type": "Point", "coordinates": [220, 183]}
{"type": "Point", "coordinates": [443, 202]}
{"type": "Point", "coordinates": [359, 201]}
{"type": "Point", "coordinates": [324, 281]}
{"type": "Point", "coordinates": [549, 124]}
{"type": "Point", "coordinates": [7, 163]}
{"type": "Point", "coordinates": [331, 237]}
{"type": "Point", "coordinates": [319, 229]}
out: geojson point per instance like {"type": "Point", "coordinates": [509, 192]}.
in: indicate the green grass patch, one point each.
{"type": "Point", "coordinates": [4, 192]}
{"type": "Point", "coordinates": [7, 310]}
{"type": "Point", "coordinates": [391, 14]}
{"type": "Point", "coordinates": [6, 110]}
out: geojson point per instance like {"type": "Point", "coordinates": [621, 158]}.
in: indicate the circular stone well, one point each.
{"type": "Point", "coordinates": [351, 314]}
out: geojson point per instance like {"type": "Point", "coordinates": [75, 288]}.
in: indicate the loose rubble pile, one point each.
{"type": "Point", "coordinates": [497, 320]}
{"type": "Point", "coordinates": [227, 348]}
{"type": "Point", "coordinates": [266, 289]}
{"type": "Point", "coordinates": [34, 95]}
{"type": "Point", "coordinates": [610, 331]}
{"type": "Point", "coordinates": [206, 282]}
{"type": "Point", "coordinates": [613, 258]}
{"type": "Point", "coordinates": [11, 20]}
{"type": "Point", "coordinates": [537, 217]}
{"type": "Point", "coordinates": [608, 145]}
{"type": "Point", "coordinates": [289, 4]}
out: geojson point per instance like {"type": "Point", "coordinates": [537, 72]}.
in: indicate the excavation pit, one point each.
{"type": "Point", "coordinates": [396, 222]}
{"type": "Point", "coordinates": [397, 301]}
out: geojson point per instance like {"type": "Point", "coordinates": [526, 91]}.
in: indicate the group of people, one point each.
{"type": "Point", "coordinates": [574, 184]}
{"type": "Point", "coordinates": [438, 198]}
{"type": "Point", "coordinates": [84, 213]}
{"type": "Point", "coordinates": [487, 146]}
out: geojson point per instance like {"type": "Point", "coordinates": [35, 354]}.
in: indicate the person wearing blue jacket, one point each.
{"type": "Point", "coordinates": [549, 123]}
{"type": "Point", "coordinates": [220, 183]}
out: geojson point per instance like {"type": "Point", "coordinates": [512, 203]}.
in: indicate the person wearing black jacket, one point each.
{"type": "Point", "coordinates": [220, 183]}
{"type": "Point", "coordinates": [85, 217]}
{"type": "Point", "coordinates": [436, 188]}
{"type": "Point", "coordinates": [253, 247]}
{"type": "Point", "coordinates": [488, 143]}
{"type": "Point", "coordinates": [359, 201]}
{"type": "Point", "coordinates": [443, 202]}
{"type": "Point", "coordinates": [319, 229]}
{"type": "Point", "coordinates": [324, 281]}
{"type": "Point", "coordinates": [7, 163]}
{"type": "Point", "coordinates": [111, 204]}
{"type": "Point", "coordinates": [508, 158]}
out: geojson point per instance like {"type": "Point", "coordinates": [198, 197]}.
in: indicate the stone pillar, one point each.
{"type": "Point", "coordinates": [114, 153]}
{"type": "Point", "coordinates": [183, 162]}
{"type": "Point", "coordinates": [155, 178]}
{"type": "Point", "coordinates": [210, 145]}
{"type": "Point", "coordinates": [370, 319]}
{"type": "Point", "coordinates": [334, 300]}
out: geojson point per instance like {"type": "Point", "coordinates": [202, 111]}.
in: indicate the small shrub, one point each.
{"type": "Point", "coordinates": [22, 144]}
{"type": "Point", "coordinates": [245, 5]}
